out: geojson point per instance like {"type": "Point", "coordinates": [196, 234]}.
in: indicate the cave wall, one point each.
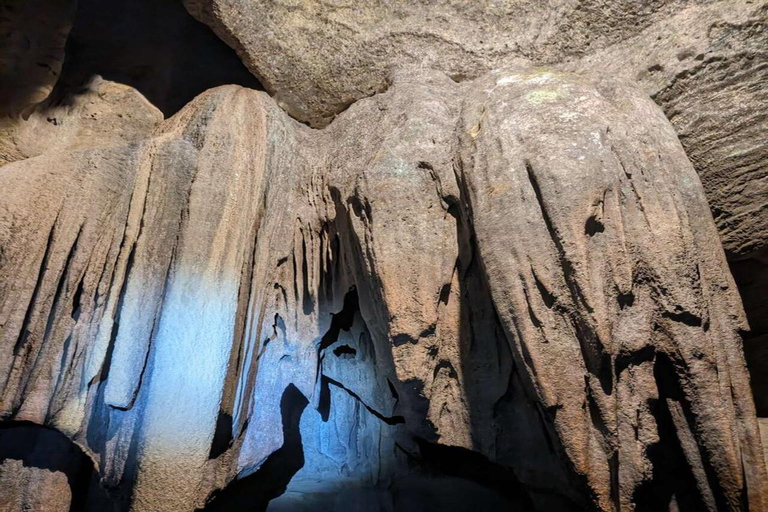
{"type": "Point", "coordinates": [482, 286]}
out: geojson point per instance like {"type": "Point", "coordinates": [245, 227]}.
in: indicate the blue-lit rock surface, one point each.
{"type": "Point", "coordinates": [507, 293]}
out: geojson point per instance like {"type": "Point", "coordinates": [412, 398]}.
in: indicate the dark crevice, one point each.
{"type": "Point", "coordinates": [253, 492]}
{"type": "Point", "coordinates": [158, 312]}
{"type": "Point", "coordinates": [445, 293]}
{"type": "Point", "coordinates": [324, 402]}
{"type": "Point", "coordinates": [546, 295]}
{"type": "Point", "coordinates": [672, 476]}
{"type": "Point", "coordinates": [63, 374]}
{"type": "Point", "coordinates": [683, 317]}
{"type": "Point", "coordinates": [155, 46]}
{"type": "Point", "coordinates": [307, 302]}
{"type": "Point", "coordinates": [118, 312]}
{"type": "Point", "coordinates": [48, 449]}
{"type": "Point", "coordinates": [60, 286]}
{"type": "Point", "coordinates": [565, 263]}
{"type": "Point", "coordinates": [361, 210]}
{"type": "Point", "coordinates": [403, 338]}
{"type": "Point", "coordinates": [24, 331]}
{"type": "Point", "coordinates": [636, 358]}
{"type": "Point", "coordinates": [295, 275]}
{"type": "Point", "coordinates": [425, 166]}
{"type": "Point", "coordinates": [593, 226]}
{"type": "Point", "coordinates": [341, 321]}
{"type": "Point", "coordinates": [77, 300]}
{"type": "Point", "coordinates": [429, 331]}
{"type": "Point", "coordinates": [222, 436]}
{"type": "Point", "coordinates": [393, 390]}
{"type": "Point", "coordinates": [475, 467]}
{"type": "Point", "coordinates": [545, 422]}
{"type": "Point", "coordinates": [597, 361]}
{"type": "Point", "coordinates": [595, 415]}
{"type": "Point", "coordinates": [452, 373]}
{"type": "Point", "coordinates": [50, 322]}
{"type": "Point", "coordinates": [345, 351]}
{"type": "Point", "coordinates": [625, 300]}
{"type": "Point", "coordinates": [389, 420]}
{"type": "Point", "coordinates": [534, 319]}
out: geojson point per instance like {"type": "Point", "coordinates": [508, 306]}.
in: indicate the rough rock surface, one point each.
{"type": "Point", "coordinates": [705, 63]}
{"type": "Point", "coordinates": [518, 273]}
{"type": "Point", "coordinates": [103, 114]}
{"type": "Point", "coordinates": [707, 67]}
{"type": "Point", "coordinates": [363, 45]}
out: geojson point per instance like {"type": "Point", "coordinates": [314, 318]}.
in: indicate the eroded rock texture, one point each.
{"type": "Point", "coordinates": [506, 293]}
{"type": "Point", "coordinates": [703, 62]}
{"type": "Point", "coordinates": [363, 46]}
{"type": "Point", "coordinates": [103, 114]}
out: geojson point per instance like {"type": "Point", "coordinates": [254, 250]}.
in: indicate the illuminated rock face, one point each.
{"type": "Point", "coordinates": [704, 62]}
{"type": "Point", "coordinates": [507, 292]}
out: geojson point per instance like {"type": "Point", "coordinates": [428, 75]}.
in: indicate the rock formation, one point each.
{"type": "Point", "coordinates": [489, 285]}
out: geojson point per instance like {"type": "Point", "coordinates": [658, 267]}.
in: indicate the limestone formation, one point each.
{"type": "Point", "coordinates": [318, 59]}
{"type": "Point", "coordinates": [496, 278]}
{"type": "Point", "coordinates": [448, 269]}
{"type": "Point", "coordinates": [704, 63]}
{"type": "Point", "coordinates": [707, 67]}
{"type": "Point", "coordinates": [103, 114]}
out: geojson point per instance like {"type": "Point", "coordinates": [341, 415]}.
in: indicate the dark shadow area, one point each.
{"type": "Point", "coordinates": [33, 34]}
{"type": "Point", "coordinates": [475, 467]}
{"type": "Point", "coordinates": [341, 321]}
{"type": "Point", "coordinates": [751, 276]}
{"type": "Point", "coordinates": [154, 46]}
{"type": "Point", "coordinates": [253, 492]}
{"type": "Point", "coordinates": [47, 449]}
{"type": "Point", "coordinates": [672, 478]}
{"type": "Point", "coordinates": [222, 437]}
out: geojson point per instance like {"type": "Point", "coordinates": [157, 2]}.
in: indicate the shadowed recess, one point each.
{"type": "Point", "coordinates": [253, 493]}
{"type": "Point", "coordinates": [154, 46]}
{"type": "Point", "coordinates": [45, 453]}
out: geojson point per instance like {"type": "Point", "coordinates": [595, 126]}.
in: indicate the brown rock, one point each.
{"type": "Point", "coordinates": [703, 62]}
{"type": "Point", "coordinates": [319, 57]}
{"type": "Point", "coordinates": [519, 273]}
{"type": "Point", "coordinates": [104, 114]}
{"type": "Point", "coordinates": [706, 66]}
